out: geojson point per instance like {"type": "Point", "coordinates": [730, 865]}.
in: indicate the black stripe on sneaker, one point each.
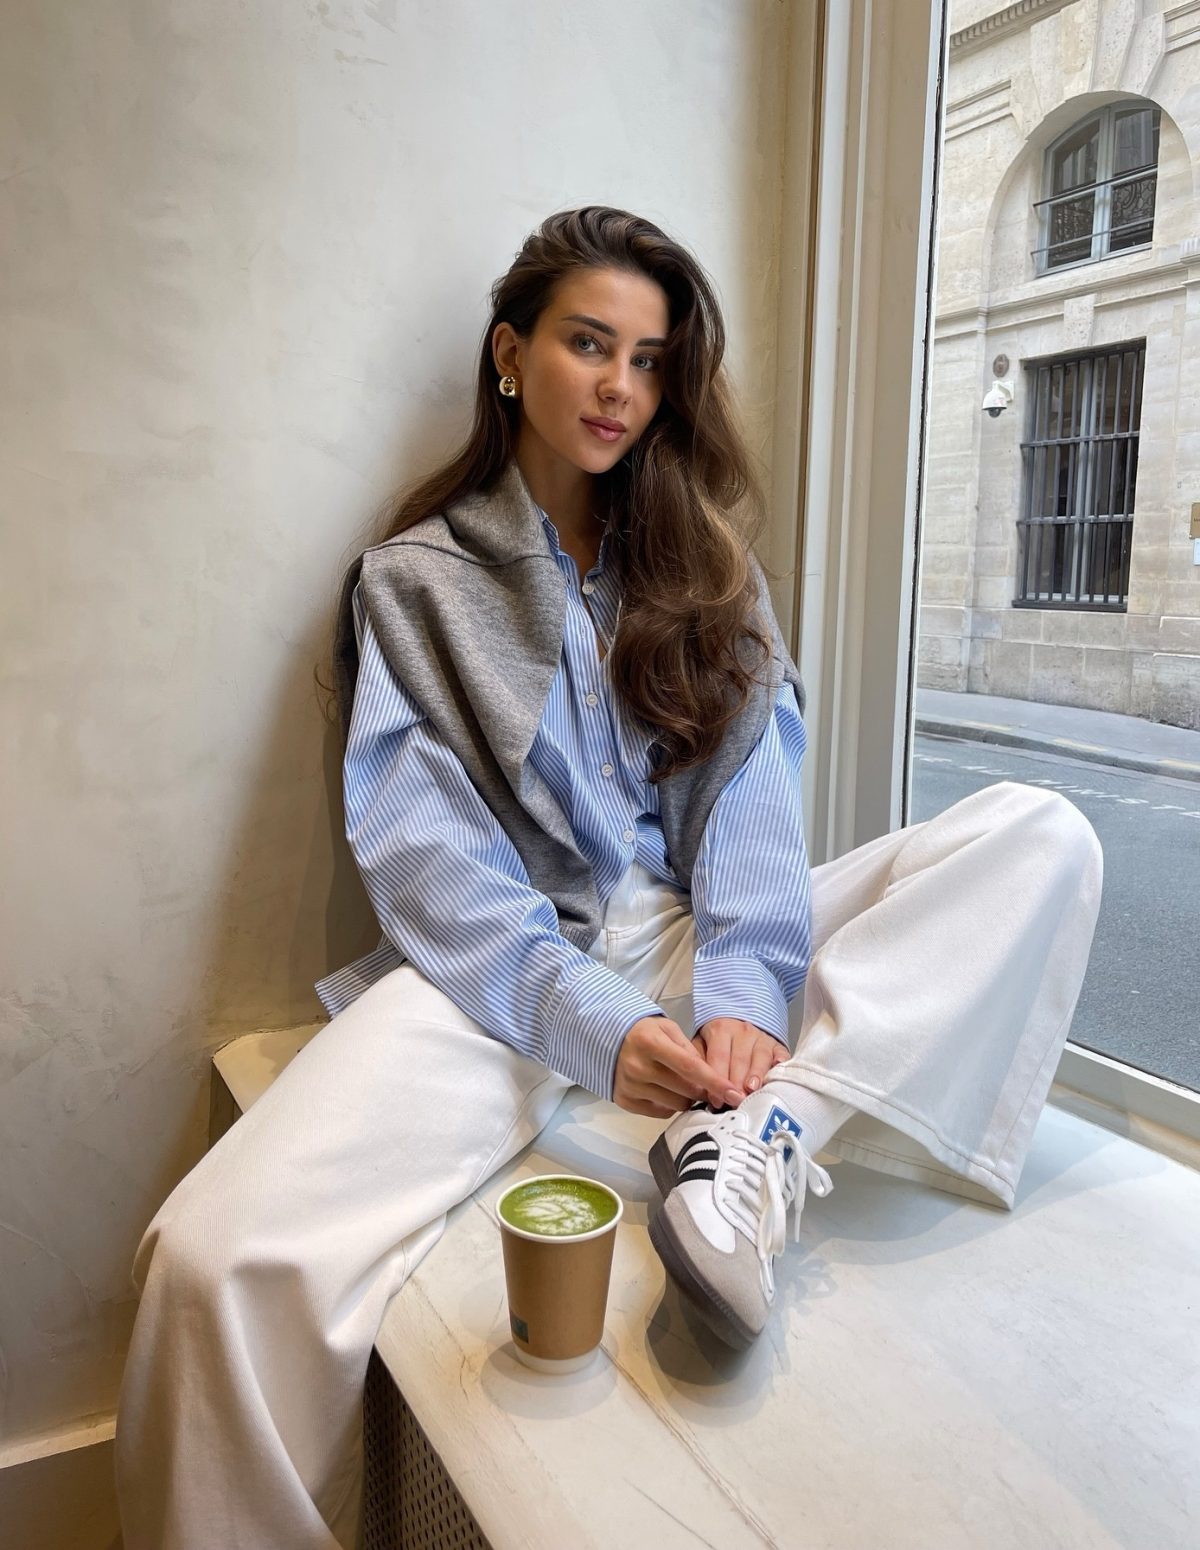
{"type": "Point", "coordinates": [696, 1171]}
{"type": "Point", "coordinates": [701, 1140]}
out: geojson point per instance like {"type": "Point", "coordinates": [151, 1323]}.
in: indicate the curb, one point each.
{"type": "Point", "coordinates": [1089, 753]}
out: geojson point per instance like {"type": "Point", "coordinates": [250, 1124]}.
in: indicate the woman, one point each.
{"type": "Point", "coordinates": [572, 781]}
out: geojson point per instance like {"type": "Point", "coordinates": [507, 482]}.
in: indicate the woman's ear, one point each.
{"type": "Point", "coordinates": [504, 349]}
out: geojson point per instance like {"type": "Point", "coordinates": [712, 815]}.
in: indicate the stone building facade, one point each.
{"type": "Point", "coordinates": [1058, 558]}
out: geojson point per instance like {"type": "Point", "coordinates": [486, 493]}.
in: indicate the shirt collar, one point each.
{"type": "Point", "coordinates": [556, 548]}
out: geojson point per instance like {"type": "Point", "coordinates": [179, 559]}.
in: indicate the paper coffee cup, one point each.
{"type": "Point", "coordinates": [557, 1231]}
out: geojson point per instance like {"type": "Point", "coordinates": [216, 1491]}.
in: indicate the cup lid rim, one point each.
{"type": "Point", "coordinates": [575, 1237]}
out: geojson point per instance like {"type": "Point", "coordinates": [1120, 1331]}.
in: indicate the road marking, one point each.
{"type": "Point", "coordinates": [1065, 787]}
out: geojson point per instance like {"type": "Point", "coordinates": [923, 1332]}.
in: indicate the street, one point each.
{"type": "Point", "coordinates": [1141, 996]}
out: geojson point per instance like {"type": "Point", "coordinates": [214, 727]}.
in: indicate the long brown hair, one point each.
{"type": "Point", "coordinates": [684, 504]}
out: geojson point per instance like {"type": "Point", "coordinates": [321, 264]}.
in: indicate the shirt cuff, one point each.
{"type": "Point", "coordinates": [594, 1014]}
{"type": "Point", "coordinates": [739, 987]}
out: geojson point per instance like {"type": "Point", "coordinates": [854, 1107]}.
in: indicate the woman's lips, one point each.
{"type": "Point", "coordinates": [603, 432]}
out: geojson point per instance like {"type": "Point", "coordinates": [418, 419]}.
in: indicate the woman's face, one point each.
{"type": "Point", "coordinates": [595, 353]}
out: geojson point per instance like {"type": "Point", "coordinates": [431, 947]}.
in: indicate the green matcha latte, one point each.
{"type": "Point", "coordinates": [560, 1207]}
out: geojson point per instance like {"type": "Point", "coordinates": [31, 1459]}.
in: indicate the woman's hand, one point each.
{"type": "Point", "coordinates": [660, 1071]}
{"type": "Point", "coordinates": [740, 1053]}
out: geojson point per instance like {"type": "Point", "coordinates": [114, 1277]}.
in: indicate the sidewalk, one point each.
{"type": "Point", "coordinates": [1097, 736]}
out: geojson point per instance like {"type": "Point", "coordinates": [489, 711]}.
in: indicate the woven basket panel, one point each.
{"type": "Point", "coordinates": [409, 1500]}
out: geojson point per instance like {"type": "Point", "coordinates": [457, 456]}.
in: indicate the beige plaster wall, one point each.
{"type": "Point", "coordinates": [245, 254]}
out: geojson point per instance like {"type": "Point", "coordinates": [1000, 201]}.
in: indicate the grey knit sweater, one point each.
{"type": "Point", "coordinates": [469, 607]}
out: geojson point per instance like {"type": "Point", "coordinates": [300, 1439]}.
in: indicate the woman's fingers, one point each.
{"type": "Point", "coordinates": [662, 1070]}
{"type": "Point", "coordinates": [684, 1070]}
{"type": "Point", "coordinates": [657, 1054]}
{"type": "Point", "coordinates": [647, 1059]}
{"type": "Point", "coordinates": [741, 1052]}
{"type": "Point", "coordinates": [741, 1055]}
{"type": "Point", "coordinates": [718, 1045]}
{"type": "Point", "coordinates": [767, 1053]}
{"type": "Point", "coordinates": [733, 1046]}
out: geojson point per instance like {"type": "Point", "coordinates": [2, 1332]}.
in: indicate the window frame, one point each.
{"type": "Point", "coordinates": [857, 228]}
{"type": "Point", "coordinates": [1102, 188]}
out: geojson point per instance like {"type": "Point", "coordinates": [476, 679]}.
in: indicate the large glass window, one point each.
{"type": "Point", "coordinates": [1100, 181]}
{"type": "Point", "coordinates": [1046, 662]}
{"type": "Point", "coordinates": [1080, 477]}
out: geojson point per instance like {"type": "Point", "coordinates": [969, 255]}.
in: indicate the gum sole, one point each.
{"type": "Point", "coordinates": [662, 1167]}
{"type": "Point", "coordinates": [719, 1317]}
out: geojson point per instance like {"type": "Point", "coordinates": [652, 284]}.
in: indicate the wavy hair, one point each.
{"type": "Point", "coordinates": [684, 503]}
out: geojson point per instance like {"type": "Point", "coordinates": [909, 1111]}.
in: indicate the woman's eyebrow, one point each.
{"type": "Point", "coordinates": [604, 328]}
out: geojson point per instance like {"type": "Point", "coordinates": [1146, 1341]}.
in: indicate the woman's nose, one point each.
{"type": "Point", "coordinates": [615, 387]}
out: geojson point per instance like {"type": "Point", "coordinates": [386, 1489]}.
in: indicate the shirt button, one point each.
{"type": "Point", "coordinates": [589, 586]}
{"type": "Point", "coordinates": [628, 835]}
{"type": "Point", "coordinates": [606, 769]}
{"type": "Point", "coordinates": [593, 699]}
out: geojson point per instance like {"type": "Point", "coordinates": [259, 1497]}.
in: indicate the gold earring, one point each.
{"type": "Point", "coordinates": [508, 386]}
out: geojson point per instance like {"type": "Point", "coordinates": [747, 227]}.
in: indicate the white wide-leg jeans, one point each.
{"type": "Point", "coordinates": [948, 958]}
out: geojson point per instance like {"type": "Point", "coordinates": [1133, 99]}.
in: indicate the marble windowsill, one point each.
{"type": "Point", "coordinates": [936, 1373]}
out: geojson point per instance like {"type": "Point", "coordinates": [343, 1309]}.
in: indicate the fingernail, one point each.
{"type": "Point", "coordinates": [733, 1097]}
{"type": "Point", "coordinates": [753, 1083]}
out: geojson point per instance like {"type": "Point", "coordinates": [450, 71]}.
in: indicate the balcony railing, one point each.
{"type": "Point", "coordinates": [1108, 216]}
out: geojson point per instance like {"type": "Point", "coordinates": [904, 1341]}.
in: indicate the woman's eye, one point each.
{"type": "Point", "coordinates": [582, 339]}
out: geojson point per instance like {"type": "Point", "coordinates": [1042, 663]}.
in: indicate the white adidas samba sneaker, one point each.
{"type": "Point", "coordinates": [724, 1218]}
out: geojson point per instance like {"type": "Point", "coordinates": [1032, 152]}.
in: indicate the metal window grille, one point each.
{"type": "Point", "coordinates": [1080, 466]}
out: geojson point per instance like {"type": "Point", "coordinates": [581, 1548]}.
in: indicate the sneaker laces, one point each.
{"type": "Point", "coordinates": [762, 1182]}
{"type": "Point", "coordinates": [790, 1173]}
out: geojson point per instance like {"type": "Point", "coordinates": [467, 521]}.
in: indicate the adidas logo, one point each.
{"type": "Point", "coordinates": [779, 1119]}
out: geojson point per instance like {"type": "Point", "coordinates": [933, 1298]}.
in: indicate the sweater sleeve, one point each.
{"type": "Point", "coordinates": [751, 898]}
{"type": "Point", "coordinates": [450, 890]}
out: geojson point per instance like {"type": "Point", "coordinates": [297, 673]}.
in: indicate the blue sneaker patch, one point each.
{"type": "Point", "coordinates": [779, 1119]}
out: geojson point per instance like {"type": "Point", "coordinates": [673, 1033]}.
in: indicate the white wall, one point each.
{"type": "Point", "coordinates": [245, 257]}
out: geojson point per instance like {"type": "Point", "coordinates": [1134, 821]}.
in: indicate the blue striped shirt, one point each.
{"type": "Point", "coordinates": [453, 897]}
